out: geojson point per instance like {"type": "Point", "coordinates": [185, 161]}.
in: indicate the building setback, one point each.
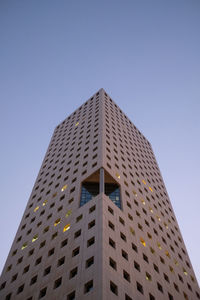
{"type": "Point", "coordinates": [99, 223]}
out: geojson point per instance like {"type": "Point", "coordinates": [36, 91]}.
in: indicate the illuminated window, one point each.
{"type": "Point", "coordinates": [185, 272]}
{"type": "Point", "coordinates": [151, 210]}
{"type": "Point", "coordinates": [171, 269]}
{"type": "Point", "coordinates": [117, 175]}
{"type": "Point", "coordinates": [134, 193]}
{"type": "Point", "coordinates": [159, 219]}
{"type": "Point", "coordinates": [44, 203]}
{"type": "Point", "coordinates": [24, 246]}
{"type": "Point", "coordinates": [159, 245]}
{"type": "Point", "coordinates": [34, 238]}
{"type": "Point", "coordinates": [77, 123]}
{"type": "Point", "coordinates": [143, 202]}
{"type": "Point", "coordinates": [57, 222]}
{"type": "Point", "coordinates": [142, 242]}
{"type": "Point", "coordinates": [37, 207]}
{"type": "Point", "coordinates": [175, 261]}
{"type": "Point", "coordinates": [64, 188]}
{"type": "Point", "coordinates": [68, 213]}
{"type": "Point", "coordinates": [167, 253]}
{"type": "Point", "coordinates": [144, 181]}
{"type": "Point", "coordinates": [150, 189]}
{"type": "Point", "coordinates": [67, 227]}
{"type": "Point", "coordinates": [166, 225]}
{"type": "Point", "coordinates": [148, 276]}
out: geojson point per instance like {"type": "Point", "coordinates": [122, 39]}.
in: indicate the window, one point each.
{"type": "Point", "coordinates": [91, 224]}
{"type": "Point", "coordinates": [76, 251]}
{"type": "Point", "coordinates": [77, 233]}
{"type": "Point", "coordinates": [51, 252]}
{"type": "Point", "coordinates": [8, 297]}
{"type": "Point", "coordinates": [89, 262]}
{"type": "Point", "coordinates": [124, 254]}
{"type": "Point", "coordinates": [57, 222]}
{"type": "Point", "coordinates": [14, 277]}
{"type": "Point", "coordinates": [156, 268]}
{"type": "Point", "coordinates": [88, 191]}
{"type": "Point", "coordinates": [134, 247]}
{"type": "Point", "coordinates": [79, 218]}
{"type": "Point", "coordinates": [64, 243]}
{"type": "Point", "coordinates": [71, 296]}
{"type": "Point", "coordinates": [137, 266]}
{"type": "Point", "coordinates": [20, 289]}
{"type": "Point", "coordinates": [31, 252]}
{"type": "Point", "coordinates": [3, 285]}
{"type": "Point", "coordinates": [123, 237]}
{"type": "Point", "coordinates": [64, 188]}
{"type": "Point", "coordinates": [112, 190]}
{"type": "Point", "coordinates": [145, 258]}
{"type": "Point", "coordinates": [38, 261]}
{"type": "Point", "coordinates": [37, 207]}
{"type": "Point", "coordinates": [127, 297]}
{"type": "Point", "coordinates": [117, 175]}
{"type": "Point", "coordinates": [88, 286]}
{"type": "Point", "coordinates": [92, 209]}
{"type": "Point", "coordinates": [44, 203]}
{"type": "Point", "coordinates": [151, 297]}
{"type": "Point", "coordinates": [121, 221]}
{"type": "Point", "coordinates": [111, 225]}
{"type": "Point", "coordinates": [126, 276]}
{"type": "Point", "coordinates": [61, 261]}
{"type": "Point", "coordinates": [68, 213]}
{"type": "Point", "coordinates": [139, 287]}
{"type": "Point", "coordinates": [148, 276]}
{"type": "Point", "coordinates": [170, 296]}
{"type": "Point", "coordinates": [57, 283]}
{"type": "Point", "coordinates": [132, 231]}
{"type": "Point", "coordinates": [46, 229]}
{"type": "Point", "coordinates": [73, 273]}
{"type": "Point", "coordinates": [66, 227]}
{"type": "Point", "coordinates": [160, 288]}
{"type": "Point", "coordinates": [24, 246]}
{"type": "Point", "coordinates": [47, 271]}
{"type": "Point", "coordinates": [142, 242]}
{"type": "Point", "coordinates": [90, 242]}
{"type": "Point", "coordinates": [42, 293]}
{"type": "Point", "coordinates": [112, 263]}
{"type": "Point", "coordinates": [111, 243]}
{"type": "Point", "coordinates": [42, 244]}
{"type": "Point", "coordinates": [33, 280]}
{"type": "Point", "coordinates": [166, 277]}
{"type": "Point", "coordinates": [113, 288]}
{"type": "Point", "coordinates": [110, 210]}
{"type": "Point", "coordinates": [26, 269]}
{"type": "Point", "coordinates": [54, 235]}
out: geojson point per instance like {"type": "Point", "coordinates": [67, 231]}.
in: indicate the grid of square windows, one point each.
{"type": "Point", "coordinates": [145, 203]}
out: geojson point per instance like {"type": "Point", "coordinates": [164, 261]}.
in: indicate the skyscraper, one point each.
{"type": "Point", "coordinates": [99, 223]}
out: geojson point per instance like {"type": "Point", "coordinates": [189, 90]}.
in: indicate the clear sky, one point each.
{"type": "Point", "coordinates": [55, 54]}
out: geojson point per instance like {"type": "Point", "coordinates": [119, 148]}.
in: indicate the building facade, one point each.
{"type": "Point", "coordinates": [99, 223]}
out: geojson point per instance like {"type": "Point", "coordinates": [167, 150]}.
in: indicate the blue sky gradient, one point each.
{"type": "Point", "coordinates": [146, 54]}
